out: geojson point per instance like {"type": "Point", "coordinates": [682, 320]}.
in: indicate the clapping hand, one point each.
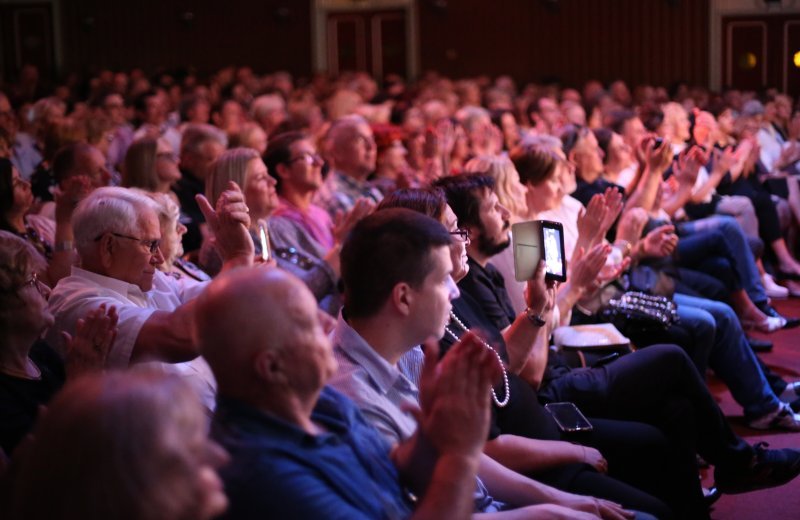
{"type": "Point", "coordinates": [88, 350]}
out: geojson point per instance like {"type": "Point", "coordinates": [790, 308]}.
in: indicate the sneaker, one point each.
{"type": "Point", "coordinates": [769, 468]}
{"type": "Point", "coordinates": [772, 289]}
{"type": "Point", "coordinates": [782, 418]}
{"type": "Point", "coordinates": [769, 310]}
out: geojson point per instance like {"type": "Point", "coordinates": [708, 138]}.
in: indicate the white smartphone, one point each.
{"type": "Point", "coordinates": [534, 240]}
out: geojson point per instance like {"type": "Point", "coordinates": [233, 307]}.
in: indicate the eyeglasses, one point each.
{"type": "Point", "coordinates": [40, 286]}
{"type": "Point", "coordinates": [462, 234]}
{"type": "Point", "coordinates": [151, 245]}
{"type": "Point", "coordinates": [307, 157]}
{"type": "Point", "coordinates": [166, 155]}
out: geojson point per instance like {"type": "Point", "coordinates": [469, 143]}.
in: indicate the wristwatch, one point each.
{"type": "Point", "coordinates": [535, 319]}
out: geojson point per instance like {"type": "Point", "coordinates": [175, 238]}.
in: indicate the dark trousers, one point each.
{"type": "Point", "coordinates": [659, 386]}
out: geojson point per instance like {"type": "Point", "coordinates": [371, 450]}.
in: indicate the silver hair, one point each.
{"type": "Point", "coordinates": [469, 115]}
{"type": "Point", "coordinates": [110, 209]}
{"type": "Point", "coordinates": [263, 105]}
{"type": "Point", "coordinates": [196, 134]}
{"type": "Point", "coordinates": [343, 127]}
{"type": "Point", "coordinates": [549, 141]}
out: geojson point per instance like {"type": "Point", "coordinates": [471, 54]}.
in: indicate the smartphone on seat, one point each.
{"type": "Point", "coordinates": [568, 417]}
{"type": "Point", "coordinates": [535, 240]}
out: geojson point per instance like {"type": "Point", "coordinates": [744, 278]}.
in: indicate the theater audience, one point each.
{"type": "Point", "coordinates": [637, 205]}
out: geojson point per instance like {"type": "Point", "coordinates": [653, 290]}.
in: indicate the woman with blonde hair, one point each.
{"type": "Point", "coordinates": [508, 187]}
{"type": "Point", "coordinates": [123, 445]}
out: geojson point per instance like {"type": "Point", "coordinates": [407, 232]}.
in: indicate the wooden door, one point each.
{"type": "Point", "coordinates": [761, 52]}
{"type": "Point", "coordinates": [26, 37]}
{"type": "Point", "coordinates": [371, 41]}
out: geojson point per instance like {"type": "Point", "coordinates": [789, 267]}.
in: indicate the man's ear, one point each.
{"type": "Point", "coordinates": [283, 171]}
{"type": "Point", "coordinates": [402, 298]}
{"type": "Point", "coordinates": [269, 367]}
{"type": "Point", "coordinates": [106, 250]}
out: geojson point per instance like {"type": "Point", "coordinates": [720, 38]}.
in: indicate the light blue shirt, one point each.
{"type": "Point", "coordinates": [382, 390]}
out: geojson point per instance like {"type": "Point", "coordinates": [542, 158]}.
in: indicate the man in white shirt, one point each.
{"type": "Point", "coordinates": [117, 236]}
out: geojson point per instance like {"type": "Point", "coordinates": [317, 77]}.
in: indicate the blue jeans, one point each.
{"type": "Point", "coordinates": [746, 262]}
{"type": "Point", "coordinates": [728, 353]}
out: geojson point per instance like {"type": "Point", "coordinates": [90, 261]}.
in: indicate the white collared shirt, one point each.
{"type": "Point", "coordinates": [83, 291]}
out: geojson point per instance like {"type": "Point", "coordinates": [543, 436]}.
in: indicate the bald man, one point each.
{"type": "Point", "coordinates": [302, 450]}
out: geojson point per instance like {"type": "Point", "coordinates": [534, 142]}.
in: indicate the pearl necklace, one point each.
{"type": "Point", "coordinates": [498, 402]}
{"type": "Point", "coordinates": [31, 371]}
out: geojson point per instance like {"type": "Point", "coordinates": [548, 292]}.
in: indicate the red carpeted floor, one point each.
{"type": "Point", "coordinates": [777, 503]}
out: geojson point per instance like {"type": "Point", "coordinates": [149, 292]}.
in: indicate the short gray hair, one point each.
{"type": "Point", "coordinates": [110, 209]}
{"type": "Point", "coordinates": [266, 104]}
{"type": "Point", "coordinates": [469, 115]}
{"type": "Point", "coordinates": [343, 128]}
{"type": "Point", "coordinates": [196, 134]}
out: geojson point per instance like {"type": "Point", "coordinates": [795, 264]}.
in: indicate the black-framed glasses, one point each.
{"type": "Point", "coordinates": [307, 157]}
{"type": "Point", "coordinates": [462, 234]}
{"type": "Point", "coordinates": [151, 245]}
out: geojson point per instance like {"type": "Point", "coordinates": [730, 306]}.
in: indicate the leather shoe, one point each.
{"type": "Point", "coordinates": [759, 345]}
{"type": "Point", "coordinates": [769, 310]}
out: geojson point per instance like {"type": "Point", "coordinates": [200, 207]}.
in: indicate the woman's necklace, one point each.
{"type": "Point", "coordinates": [31, 371]}
{"type": "Point", "coordinates": [498, 402]}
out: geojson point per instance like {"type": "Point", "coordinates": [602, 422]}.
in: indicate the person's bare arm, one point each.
{"type": "Point", "coordinates": [522, 335]}
{"type": "Point", "coordinates": [525, 455]}
{"type": "Point", "coordinates": [722, 163]}
{"type": "Point", "coordinates": [167, 336]}
{"type": "Point", "coordinates": [66, 199]}
{"type": "Point", "coordinates": [531, 498]}
{"type": "Point", "coordinates": [657, 160]}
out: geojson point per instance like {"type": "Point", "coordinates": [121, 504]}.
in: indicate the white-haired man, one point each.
{"type": "Point", "coordinates": [117, 236]}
